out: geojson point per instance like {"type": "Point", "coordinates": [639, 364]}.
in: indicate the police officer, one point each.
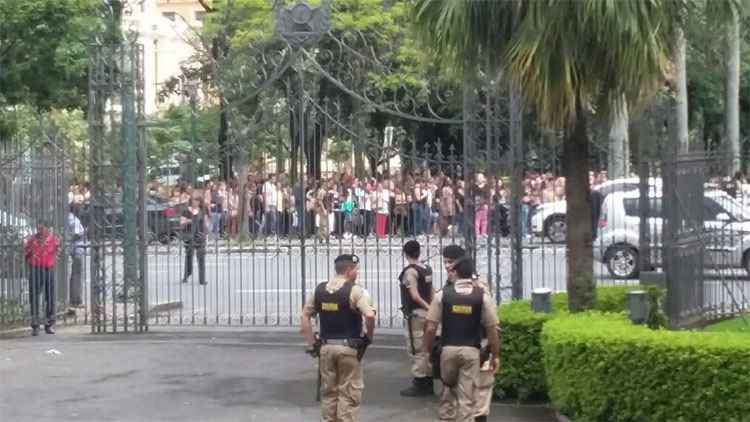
{"type": "Point", "coordinates": [416, 295]}
{"type": "Point", "coordinates": [340, 306]}
{"type": "Point", "coordinates": [483, 384]}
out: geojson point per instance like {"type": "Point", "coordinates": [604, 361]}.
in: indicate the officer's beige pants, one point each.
{"type": "Point", "coordinates": [459, 368]}
{"type": "Point", "coordinates": [483, 387]}
{"type": "Point", "coordinates": [341, 384]}
{"type": "Point", "coordinates": [420, 361]}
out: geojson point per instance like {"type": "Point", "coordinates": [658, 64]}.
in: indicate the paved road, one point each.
{"type": "Point", "coordinates": [262, 284]}
{"type": "Point", "coordinates": [187, 376]}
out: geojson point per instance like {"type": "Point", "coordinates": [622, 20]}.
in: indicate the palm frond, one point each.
{"type": "Point", "coordinates": [568, 53]}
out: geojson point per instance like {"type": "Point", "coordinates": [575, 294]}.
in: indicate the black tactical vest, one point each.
{"type": "Point", "coordinates": [337, 318]}
{"type": "Point", "coordinates": [424, 287]}
{"type": "Point", "coordinates": [462, 317]}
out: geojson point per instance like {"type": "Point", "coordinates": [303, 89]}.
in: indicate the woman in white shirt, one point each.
{"type": "Point", "coordinates": [382, 212]}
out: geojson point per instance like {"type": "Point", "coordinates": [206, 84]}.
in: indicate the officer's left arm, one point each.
{"type": "Point", "coordinates": [490, 322]}
{"type": "Point", "coordinates": [434, 315]}
{"type": "Point", "coordinates": [360, 298]}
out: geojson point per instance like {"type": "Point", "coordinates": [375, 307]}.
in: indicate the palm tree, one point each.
{"type": "Point", "coordinates": [619, 152]}
{"type": "Point", "coordinates": [573, 60]}
{"type": "Point", "coordinates": [727, 14]}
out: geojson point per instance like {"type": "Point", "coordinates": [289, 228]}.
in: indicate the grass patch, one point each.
{"type": "Point", "coordinates": [736, 325]}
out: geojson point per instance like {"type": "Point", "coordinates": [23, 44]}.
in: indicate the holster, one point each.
{"type": "Point", "coordinates": [484, 355]}
{"type": "Point", "coordinates": [360, 345]}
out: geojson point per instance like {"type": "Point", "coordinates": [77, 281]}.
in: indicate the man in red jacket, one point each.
{"type": "Point", "coordinates": [40, 251]}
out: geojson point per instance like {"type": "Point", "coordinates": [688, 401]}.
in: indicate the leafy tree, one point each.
{"type": "Point", "coordinates": [570, 58]}
{"type": "Point", "coordinates": [44, 51]}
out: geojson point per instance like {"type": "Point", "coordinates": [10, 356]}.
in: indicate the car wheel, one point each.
{"type": "Point", "coordinates": [622, 262]}
{"type": "Point", "coordinates": [556, 229]}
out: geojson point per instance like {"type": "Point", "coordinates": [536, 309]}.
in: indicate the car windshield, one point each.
{"type": "Point", "coordinates": [734, 208]}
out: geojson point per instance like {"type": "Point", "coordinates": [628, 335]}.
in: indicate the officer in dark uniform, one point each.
{"type": "Point", "coordinates": [340, 306]}
{"type": "Point", "coordinates": [463, 309]}
{"type": "Point", "coordinates": [416, 294]}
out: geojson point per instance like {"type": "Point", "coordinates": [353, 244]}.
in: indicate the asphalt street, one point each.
{"type": "Point", "coordinates": [187, 375]}
{"type": "Point", "coordinates": [262, 284]}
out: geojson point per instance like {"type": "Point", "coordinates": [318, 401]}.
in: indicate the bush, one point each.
{"type": "Point", "coordinates": [521, 373]}
{"type": "Point", "coordinates": [601, 367]}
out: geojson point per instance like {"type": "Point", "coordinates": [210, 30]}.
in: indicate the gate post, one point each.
{"type": "Point", "coordinates": [516, 164]}
{"type": "Point", "coordinates": [469, 116]}
{"type": "Point", "coordinates": [298, 25]}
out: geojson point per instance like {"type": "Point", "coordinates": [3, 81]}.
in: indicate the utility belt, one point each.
{"type": "Point", "coordinates": [359, 344]}
{"type": "Point", "coordinates": [338, 342]}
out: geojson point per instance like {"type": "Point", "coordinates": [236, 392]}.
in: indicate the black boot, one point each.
{"type": "Point", "coordinates": [34, 331]}
{"type": "Point", "coordinates": [420, 387]}
{"type": "Point", "coordinates": [48, 329]}
{"type": "Point", "coordinates": [480, 419]}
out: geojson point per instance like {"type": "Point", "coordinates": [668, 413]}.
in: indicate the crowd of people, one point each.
{"type": "Point", "coordinates": [346, 206]}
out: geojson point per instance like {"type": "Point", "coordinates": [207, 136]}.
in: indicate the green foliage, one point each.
{"type": "Point", "coordinates": [12, 311]}
{"type": "Point", "coordinates": [601, 367]}
{"type": "Point", "coordinates": [737, 325]}
{"type": "Point", "coordinates": [68, 129]}
{"type": "Point", "coordinates": [172, 137]}
{"type": "Point", "coordinates": [44, 51]}
{"type": "Point", "coordinates": [521, 373]}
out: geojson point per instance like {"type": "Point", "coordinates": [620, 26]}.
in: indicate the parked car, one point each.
{"type": "Point", "coordinates": [162, 217]}
{"type": "Point", "coordinates": [726, 232]}
{"type": "Point", "coordinates": [549, 220]}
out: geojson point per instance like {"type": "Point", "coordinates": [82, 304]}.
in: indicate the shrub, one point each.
{"type": "Point", "coordinates": [601, 367]}
{"type": "Point", "coordinates": [521, 373]}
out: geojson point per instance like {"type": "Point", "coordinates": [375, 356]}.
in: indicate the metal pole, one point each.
{"type": "Point", "coordinates": [193, 134]}
{"type": "Point", "coordinates": [516, 163]}
{"type": "Point", "coordinates": [469, 103]}
{"type": "Point", "coordinates": [301, 134]}
{"type": "Point", "coordinates": [129, 143]}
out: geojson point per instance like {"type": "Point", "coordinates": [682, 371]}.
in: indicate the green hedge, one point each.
{"type": "Point", "coordinates": [521, 373]}
{"type": "Point", "coordinates": [600, 367]}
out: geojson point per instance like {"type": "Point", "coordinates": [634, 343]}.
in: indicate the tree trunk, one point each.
{"type": "Point", "coordinates": [619, 156]}
{"type": "Point", "coordinates": [242, 163]}
{"type": "Point", "coordinates": [225, 159]}
{"type": "Point", "coordinates": [580, 282]}
{"type": "Point", "coordinates": [732, 93]}
{"type": "Point", "coordinates": [680, 104]}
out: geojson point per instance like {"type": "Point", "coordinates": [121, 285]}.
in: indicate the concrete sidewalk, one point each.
{"type": "Point", "coordinates": [221, 375]}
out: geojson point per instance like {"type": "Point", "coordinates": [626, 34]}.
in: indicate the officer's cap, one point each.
{"type": "Point", "coordinates": [347, 259]}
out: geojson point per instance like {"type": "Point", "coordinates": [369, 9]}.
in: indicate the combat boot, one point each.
{"type": "Point", "coordinates": [420, 387]}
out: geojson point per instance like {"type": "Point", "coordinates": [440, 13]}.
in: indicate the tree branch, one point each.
{"type": "Point", "coordinates": [206, 6]}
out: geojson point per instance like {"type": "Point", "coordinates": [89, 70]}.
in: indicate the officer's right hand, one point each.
{"type": "Point", "coordinates": [494, 363]}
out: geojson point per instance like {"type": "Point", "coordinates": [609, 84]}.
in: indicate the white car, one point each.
{"type": "Point", "coordinates": [726, 232]}
{"type": "Point", "coordinates": [549, 220]}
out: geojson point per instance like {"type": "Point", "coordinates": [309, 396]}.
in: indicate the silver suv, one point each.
{"type": "Point", "coordinates": [726, 232]}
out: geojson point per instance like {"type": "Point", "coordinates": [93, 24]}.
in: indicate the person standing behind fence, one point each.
{"type": "Point", "coordinates": [75, 232]}
{"type": "Point", "coordinates": [270, 198]}
{"type": "Point", "coordinates": [194, 222]}
{"type": "Point", "coordinates": [40, 251]}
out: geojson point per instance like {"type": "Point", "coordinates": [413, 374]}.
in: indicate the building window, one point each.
{"type": "Point", "coordinates": [169, 15]}
{"type": "Point", "coordinates": [200, 15]}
